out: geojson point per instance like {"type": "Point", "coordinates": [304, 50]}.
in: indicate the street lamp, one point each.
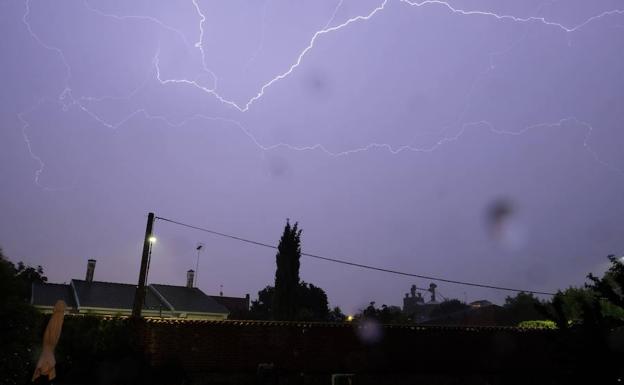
{"type": "Point", "coordinates": [151, 240]}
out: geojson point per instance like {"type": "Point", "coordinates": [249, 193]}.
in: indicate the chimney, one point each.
{"type": "Point", "coordinates": [90, 270]}
{"type": "Point", "coordinates": [432, 288]}
{"type": "Point", "coordinates": [190, 277]}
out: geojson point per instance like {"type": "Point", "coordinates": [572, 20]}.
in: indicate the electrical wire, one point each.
{"type": "Point", "coordinates": [354, 264]}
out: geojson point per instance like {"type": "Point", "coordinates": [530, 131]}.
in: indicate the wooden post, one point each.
{"type": "Point", "coordinates": [139, 296]}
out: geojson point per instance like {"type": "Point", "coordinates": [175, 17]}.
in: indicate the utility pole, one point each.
{"type": "Point", "coordinates": [139, 295]}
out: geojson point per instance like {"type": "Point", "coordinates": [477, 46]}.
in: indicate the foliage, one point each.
{"type": "Point", "coordinates": [30, 274]}
{"type": "Point", "coordinates": [568, 307]}
{"type": "Point", "coordinates": [262, 308]}
{"type": "Point", "coordinates": [448, 307]}
{"type": "Point", "coordinates": [611, 285]}
{"type": "Point", "coordinates": [311, 304]}
{"type": "Point", "coordinates": [598, 305]}
{"type": "Point", "coordinates": [88, 344]}
{"type": "Point", "coordinates": [523, 307]}
{"type": "Point", "coordinates": [287, 274]}
{"type": "Point", "coordinates": [385, 314]}
{"type": "Point", "coordinates": [290, 298]}
{"type": "Point", "coordinates": [538, 324]}
{"type": "Point", "coordinates": [574, 300]}
{"type": "Point", "coordinates": [19, 327]}
{"type": "Point", "coordinates": [336, 315]}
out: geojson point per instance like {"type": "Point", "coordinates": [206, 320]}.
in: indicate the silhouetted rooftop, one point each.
{"type": "Point", "coordinates": [233, 304]}
{"type": "Point", "coordinates": [46, 294]}
{"type": "Point", "coordinates": [187, 299]}
{"type": "Point", "coordinates": [112, 295]}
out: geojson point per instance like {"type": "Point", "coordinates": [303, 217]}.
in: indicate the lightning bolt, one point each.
{"type": "Point", "coordinates": [328, 30]}
{"type": "Point", "coordinates": [148, 19]}
{"type": "Point", "coordinates": [67, 99]}
{"type": "Point", "coordinates": [516, 19]}
{"type": "Point", "coordinates": [260, 93]}
{"type": "Point", "coordinates": [25, 126]}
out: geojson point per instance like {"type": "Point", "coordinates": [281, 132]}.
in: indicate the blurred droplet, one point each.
{"type": "Point", "coordinates": [278, 166]}
{"type": "Point", "coordinates": [499, 210]}
{"type": "Point", "coordinates": [316, 84]}
{"type": "Point", "coordinates": [369, 331]}
{"type": "Point", "coordinates": [504, 225]}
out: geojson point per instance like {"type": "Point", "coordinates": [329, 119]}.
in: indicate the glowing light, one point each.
{"type": "Point", "coordinates": [349, 318]}
{"type": "Point", "coordinates": [152, 239]}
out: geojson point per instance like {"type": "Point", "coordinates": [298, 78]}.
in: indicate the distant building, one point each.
{"type": "Point", "coordinates": [480, 303]}
{"type": "Point", "coordinates": [414, 304]}
{"type": "Point", "coordinates": [117, 299]}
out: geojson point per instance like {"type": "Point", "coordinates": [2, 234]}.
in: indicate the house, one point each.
{"type": "Point", "coordinates": [237, 306]}
{"type": "Point", "coordinates": [480, 303]}
{"type": "Point", "coordinates": [116, 299]}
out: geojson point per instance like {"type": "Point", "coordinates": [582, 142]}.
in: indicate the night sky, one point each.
{"type": "Point", "coordinates": [471, 140]}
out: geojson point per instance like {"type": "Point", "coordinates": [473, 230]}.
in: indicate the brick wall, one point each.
{"type": "Point", "coordinates": [239, 346]}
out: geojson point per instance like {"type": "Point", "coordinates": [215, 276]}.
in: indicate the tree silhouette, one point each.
{"type": "Point", "coordinates": [262, 308]}
{"type": "Point", "coordinates": [290, 298]}
{"type": "Point", "coordinates": [448, 307]}
{"type": "Point", "coordinates": [599, 305]}
{"type": "Point", "coordinates": [611, 285]}
{"type": "Point", "coordinates": [311, 305]}
{"type": "Point", "coordinates": [523, 307]}
{"type": "Point", "coordinates": [287, 273]}
{"type": "Point", "coordinates": [27, 275]}
{"type": "Point", "coordinates": [336, 315]}
{"type": "Point", "coordinates": [19, 325]}
{"type": "Point", "coordinates": [385, 315]}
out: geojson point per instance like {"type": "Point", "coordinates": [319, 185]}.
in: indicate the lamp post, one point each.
{"type": "Point", "coordinates": [139, 296]}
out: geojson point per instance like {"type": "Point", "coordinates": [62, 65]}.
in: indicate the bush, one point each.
{"type": "Point", "coordinates": [538, 324]}
{"type": "Point", "coordinates": [98, 349]}
{"type": "Point", "coordinates": [20, 323]}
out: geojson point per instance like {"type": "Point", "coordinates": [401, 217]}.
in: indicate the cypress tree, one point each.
{"type": "Point", "coordinates": [285, 303]}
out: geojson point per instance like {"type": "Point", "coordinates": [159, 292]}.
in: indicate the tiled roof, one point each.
{"type": "Point", "coordinates": [112, 295]}
{"type": "Point", "coordinates": [233, 304]}
{"type": "Point", "coordinates": [46, 294]}
{"type": "Point", "coordinates": [191, 300]}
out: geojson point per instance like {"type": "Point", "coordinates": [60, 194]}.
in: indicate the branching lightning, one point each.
{"type": "Point", "coordinates": [516, 19]}
{"type": "Point", "coordinates": [68, 100]}
{"type": "Point", "coordinates": [328, 30]}
{"type": "Point", "coordinates": [33, 155]}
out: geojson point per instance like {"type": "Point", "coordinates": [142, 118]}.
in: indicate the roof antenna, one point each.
{"type": "Point", "coordinates": [199, 247]}
{"type": "Point", "coordinates": [221, 290]}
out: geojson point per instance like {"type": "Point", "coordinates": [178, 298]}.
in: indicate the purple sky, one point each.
{"type": "Point", "coordinates": [389, 130]}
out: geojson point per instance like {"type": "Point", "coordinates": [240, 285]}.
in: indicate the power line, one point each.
{"type": "Point", "coordinates": [335, 260]}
